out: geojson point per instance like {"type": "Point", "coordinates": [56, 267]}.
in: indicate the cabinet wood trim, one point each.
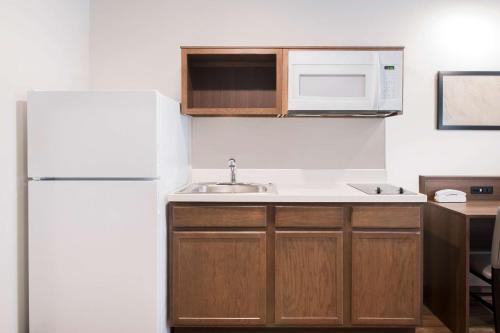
{"type": "Point", "coordinates": [310, 216]}
{"type": "Point", "coordinates": [306, 47]}
{"type": "Point", "coordinates": [219, 216]}
{"type": "Point", "coordinates": [386, 217]}
{"type": "Point", "coordinates": [231, 112]}
{"type": "Point", "coordinates": [284, 80]}
{"type": "Point", "coordinates": [185, 80]}
{"type": "Point", "coordinates": [386, 278]}
{"type": "Point", "coordinates": [231, 50]}
{"type": "Point", "coordinates": [310, 264]}
{"type": "Point", "coordinates": [280, 88]}
{"type": "Point", "coordinates": [247, 291]}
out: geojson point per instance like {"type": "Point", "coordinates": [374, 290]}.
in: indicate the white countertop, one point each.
{"type": "Point", "coordinates": [336, 192]}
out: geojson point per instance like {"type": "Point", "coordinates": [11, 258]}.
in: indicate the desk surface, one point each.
{"type": "Point", "coordinates": [475, 208]}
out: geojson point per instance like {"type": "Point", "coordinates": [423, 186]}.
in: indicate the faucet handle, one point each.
{"type": "Point", "coordinates": [231, 163]}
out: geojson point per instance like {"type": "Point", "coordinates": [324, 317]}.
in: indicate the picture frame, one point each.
{"type": "Point", "coordinates": [468, 100]}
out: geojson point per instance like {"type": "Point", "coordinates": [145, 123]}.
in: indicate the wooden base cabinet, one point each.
{"type": "Point", "coordinates": [386, 278]}
{"type": "Point", "coordinates": [309, 277]}
{"type": "Point", "coordinates": [351, 266]}
{"type": "Point", "coordinates": [219, 278]}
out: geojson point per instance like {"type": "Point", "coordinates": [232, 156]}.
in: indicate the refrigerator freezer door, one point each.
{"type": "Point", "coordinates": [93, 252]}
{"type": "Point", "coordinates": [93, 134]}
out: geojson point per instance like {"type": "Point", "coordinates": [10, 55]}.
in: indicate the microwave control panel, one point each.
{"type": "Point", "coordinates": [390, 82]}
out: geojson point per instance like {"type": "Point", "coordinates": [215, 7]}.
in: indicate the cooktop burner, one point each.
{"type": "Point", "coordinates": [381, 189]}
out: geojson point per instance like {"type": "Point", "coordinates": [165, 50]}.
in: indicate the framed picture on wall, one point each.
{"type": "Point", "coordinates": [468, 101]}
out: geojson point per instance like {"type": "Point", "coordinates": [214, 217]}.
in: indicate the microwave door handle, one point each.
{"type": "Point", "coordinates": [376, 88]}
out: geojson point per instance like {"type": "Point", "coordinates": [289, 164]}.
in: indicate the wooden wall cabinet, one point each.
{"type": "Point", "coordinates": [231, 81]}
{"type": "Point", "coordinates": [338, 265]}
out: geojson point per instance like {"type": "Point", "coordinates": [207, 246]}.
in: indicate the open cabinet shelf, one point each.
{"type": "Point", "coordinates": [242, 82]}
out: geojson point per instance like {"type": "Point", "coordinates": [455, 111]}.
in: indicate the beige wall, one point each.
{"type": "Point", "coordinates": [44, 45]}
{"type": "Point", "coordinates": [135, 44]}
{"type": "Point", "coordinates": [288, 143]}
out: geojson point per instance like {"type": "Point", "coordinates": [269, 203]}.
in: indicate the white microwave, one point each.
{"type": "Point", "coordinates": [345, 82]}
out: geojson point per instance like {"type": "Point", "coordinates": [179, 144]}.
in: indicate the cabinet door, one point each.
{"type": "Point", "coordinates": [386, 278]}
{"type": "Point", "coordinates": [219, 278]}
{"type": "Point", "coordinates": [309, 278]}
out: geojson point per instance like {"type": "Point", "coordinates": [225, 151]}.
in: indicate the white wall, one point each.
{"type": "Point", "coordinates": [44, 45]}
{"type": "Point", "coordinates": [135, 44]}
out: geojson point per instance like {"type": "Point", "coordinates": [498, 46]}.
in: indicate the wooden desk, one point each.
{"type": "Point", "coordinates": [472, 209]}
{"type": "Point", "coordinates": [447, 241]}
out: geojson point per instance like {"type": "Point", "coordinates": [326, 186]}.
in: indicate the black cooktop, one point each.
{"type": "Point", "coordinates": [381, 189]}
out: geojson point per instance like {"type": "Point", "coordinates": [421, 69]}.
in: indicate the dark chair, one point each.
{"type": "Point", "coordinates": [486, 266]}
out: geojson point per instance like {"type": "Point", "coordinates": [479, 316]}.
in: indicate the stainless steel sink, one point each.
{"type": "Point", "coordinates": [228, 188]}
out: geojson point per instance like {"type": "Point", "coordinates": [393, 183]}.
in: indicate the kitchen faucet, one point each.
{"type": "Point", "coordinates": [231, 163]}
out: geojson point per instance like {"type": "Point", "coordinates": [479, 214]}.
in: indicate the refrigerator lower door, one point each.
{"type": "Point", "coordinates": [94, 247]}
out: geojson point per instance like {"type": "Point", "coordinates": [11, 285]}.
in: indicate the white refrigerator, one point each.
{"type": "Point", "coordinates": [100, 165]}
